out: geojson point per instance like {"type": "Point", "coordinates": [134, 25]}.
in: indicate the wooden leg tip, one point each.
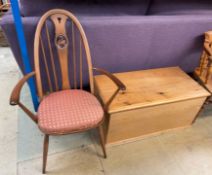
{"type": "Point", "coordinates": [105, 156]}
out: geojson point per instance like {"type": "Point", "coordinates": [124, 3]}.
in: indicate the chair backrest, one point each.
{"type": "Point", "coordinates": [60, 52]}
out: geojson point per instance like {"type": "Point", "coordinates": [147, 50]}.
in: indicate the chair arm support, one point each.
{"type": "Point", "coordinates": [15, 96]}
{"type": "Point", "coordinates": [28, 112]}
{"type": "Point", "coordinates": [119, 84]}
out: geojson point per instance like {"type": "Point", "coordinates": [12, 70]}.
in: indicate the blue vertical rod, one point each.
{"type": "Point", "coordinates": [23, 48]}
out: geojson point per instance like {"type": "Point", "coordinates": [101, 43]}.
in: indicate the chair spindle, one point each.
{"type": "Point", "coordinates": [81, 73]}
{"type": "Point", "coordinates": [46, 65]}
{"type": "Point", "coordinates": [74, 56]}
{"type": "Point", "coordinates": [52, 58]}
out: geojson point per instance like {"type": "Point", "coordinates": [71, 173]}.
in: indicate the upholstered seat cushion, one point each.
{"type": "Point", "coordinates": [69, 111]}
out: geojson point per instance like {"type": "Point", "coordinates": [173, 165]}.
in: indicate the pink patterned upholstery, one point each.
{"type": "Point", "coordinates": [69, 111]}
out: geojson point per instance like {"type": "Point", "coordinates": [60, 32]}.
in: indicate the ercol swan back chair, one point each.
{"type": "Point", "coordinates": [60, 51]}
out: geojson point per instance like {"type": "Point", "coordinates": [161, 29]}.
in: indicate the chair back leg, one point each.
{"type": "Point", "coordinates": [45, 152]}
{"type": "Point", "coordinates": [102, 140]}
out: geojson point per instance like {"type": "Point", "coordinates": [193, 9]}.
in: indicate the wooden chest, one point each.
{"type": "Point", "coordinates": [155, 101]}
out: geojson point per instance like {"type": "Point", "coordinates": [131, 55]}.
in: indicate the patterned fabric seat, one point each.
{"type": "Point", "coordinates": [69, 111]}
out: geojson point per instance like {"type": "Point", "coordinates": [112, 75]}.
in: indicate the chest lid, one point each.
{"type": "Point", "coordinates": [149, 88]}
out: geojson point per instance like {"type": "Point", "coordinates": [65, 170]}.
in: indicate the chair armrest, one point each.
{"type": "Point", "coordinates": [15, 96]}
{"type": "Point", "coordinates": [119, 84]}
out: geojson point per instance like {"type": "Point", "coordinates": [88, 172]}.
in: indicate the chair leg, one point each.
{"type": "Point", "coordinates": [102, 141]}
{"type": "Point", "coordinates": [45, 152]}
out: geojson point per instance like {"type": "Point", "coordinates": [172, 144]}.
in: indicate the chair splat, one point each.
{"type": "Point", "coordinates": [61, 41]}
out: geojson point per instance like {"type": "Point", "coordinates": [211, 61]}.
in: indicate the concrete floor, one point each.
{"type": "Point", "coordinates": [8, 115]}
{"type": "Point", "coordinates": [183, 152]}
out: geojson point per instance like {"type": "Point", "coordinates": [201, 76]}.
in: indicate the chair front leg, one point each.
{"type": "Point", "coordinates": [102, 140]}
{"type": "Point", "coordinates": [45, 152]}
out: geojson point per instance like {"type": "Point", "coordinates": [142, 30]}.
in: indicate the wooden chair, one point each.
{"type": "Point", "coordinates": [205, 67]}
{"type": "Point", "coordinates": [59, 48]}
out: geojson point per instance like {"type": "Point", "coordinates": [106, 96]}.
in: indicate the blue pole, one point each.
{"type": "Point", "coordinates": [23, 48]}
